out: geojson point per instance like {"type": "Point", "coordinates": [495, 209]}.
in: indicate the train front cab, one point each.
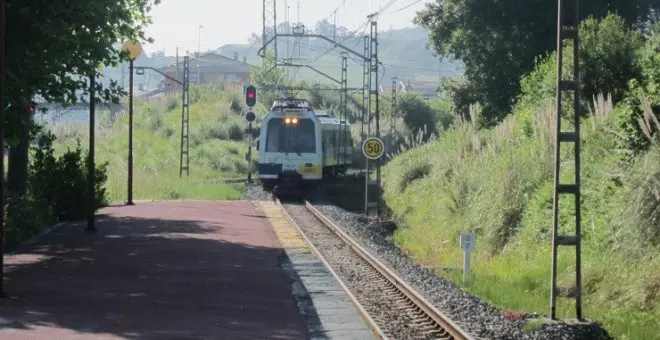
{"type": "Point", "coordinates": [290, 156]}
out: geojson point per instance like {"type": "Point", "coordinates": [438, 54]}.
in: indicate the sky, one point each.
{"type": "Point", "coordinates": [176, 22]}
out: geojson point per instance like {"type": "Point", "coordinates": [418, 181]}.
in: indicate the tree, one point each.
{"type": "Point", "coordinates": [52, 49]}
{"type": "Point", "coordinates": [268, 74]}
{"type": "Point", "coordinates": [498, 41]}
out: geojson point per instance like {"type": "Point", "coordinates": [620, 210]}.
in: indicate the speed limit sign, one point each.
{"type": "Point", "coordinates": [373, 148]}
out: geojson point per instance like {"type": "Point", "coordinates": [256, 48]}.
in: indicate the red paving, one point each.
{"type": "Point", "coordinates": [164, 270]}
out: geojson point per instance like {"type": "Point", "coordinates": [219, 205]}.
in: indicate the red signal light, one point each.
{"type": "Point", "coordinates": [251, 96]}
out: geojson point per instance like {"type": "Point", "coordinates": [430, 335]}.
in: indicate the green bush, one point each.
{"type": "Point", "coordinates": [60, 184]}
{"type": "Point", "coordinates": [235, 132]}
{"type": "Point", "coordinates": [236, 106]}
{"type": "Point", "coordinates": [631, 138]}
{"type": "Point", "coordinates": [608, 59]}
{"type": "Point", "coordinates": [417, 114]}
{"type": "Point", "coordinates": [498, 183]}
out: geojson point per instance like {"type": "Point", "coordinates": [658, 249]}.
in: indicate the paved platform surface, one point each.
{"type": "Point", "coordinates": [327, 310]}
{"type": "Point", "coordinates": [162, 270]}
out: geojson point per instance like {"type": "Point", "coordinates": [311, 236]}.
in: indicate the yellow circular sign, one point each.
{"type": "Point", "coordinates": [134, 50]}
{"type": "Point", "coordinates": [373, 148]}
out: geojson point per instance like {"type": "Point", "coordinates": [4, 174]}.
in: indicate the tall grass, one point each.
{"type": "Point", "coordinates": [499, 184]}
{"type": "Point", "coordinates": [217, 146]}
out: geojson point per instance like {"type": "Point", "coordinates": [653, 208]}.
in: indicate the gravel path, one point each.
{"type": "Point", "coordinates": [471, 313]}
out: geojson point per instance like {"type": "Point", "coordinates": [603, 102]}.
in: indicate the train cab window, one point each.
{"type": "Point", "coordinates": [299, 137]}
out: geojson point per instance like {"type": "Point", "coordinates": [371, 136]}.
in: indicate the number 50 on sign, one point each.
{"type": "Point", "coordinates": [373, 148]}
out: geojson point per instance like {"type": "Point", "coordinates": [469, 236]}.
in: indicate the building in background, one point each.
{"type": "Point", "coordinates": [428, 89]}
{"type": "Point", "coordinates": [209, 68]}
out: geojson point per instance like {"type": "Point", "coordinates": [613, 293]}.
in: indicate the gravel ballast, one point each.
{"type": "Point", "coordinates": [474, 315]}
{"type": "Point", "coordinates": [477, 317]}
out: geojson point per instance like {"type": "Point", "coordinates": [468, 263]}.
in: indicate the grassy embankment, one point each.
{"type": "Point", "coordinates": [498, 183]}
{"type": "Point", "coordinates": [217, 147]}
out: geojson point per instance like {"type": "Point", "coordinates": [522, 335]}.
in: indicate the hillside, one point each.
{"type": "Point", "coordinates": [401, 51]}
{"type": "Point", "coordinates": [217, 147]}
{"type": "Point", "coordinates": [498, 183]}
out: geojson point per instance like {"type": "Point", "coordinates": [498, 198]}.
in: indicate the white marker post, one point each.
{"type": "Point", "coordinates": [467, 241]}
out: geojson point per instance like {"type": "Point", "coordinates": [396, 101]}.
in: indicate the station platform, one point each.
{"type": "Point", "coordinates": [170, 270]}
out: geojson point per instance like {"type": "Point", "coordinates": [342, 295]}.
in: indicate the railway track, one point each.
{"type": "Point", "coordinates": [391, 307]}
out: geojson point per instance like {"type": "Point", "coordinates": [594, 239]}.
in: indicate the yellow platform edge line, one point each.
{"type": "Point", "coordinates": [285, 231]}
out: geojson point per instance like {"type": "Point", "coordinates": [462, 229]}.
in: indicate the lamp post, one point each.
{"type": "Point", "coordinates": [199, 41]}
{"type": "Point", "coordinates": [91, 166]}
{"type": "Point", "coordinates": [134, 50]}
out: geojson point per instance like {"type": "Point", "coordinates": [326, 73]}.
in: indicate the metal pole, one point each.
{"type": "Point", "coordinates": [130, 135]}
{"type": "Point", "coordinates": [578, 184]}
{"type": "Point", "coordinates": [91, 166]}
{"type": "Point", "coordinates": [567, 30]}
{"type": "Point", "coordinates": [199, 41]}
{"type": "Point", "coordinates": [392, 114]}
{"type": "Point", "coordinates": [2, 146]}
{"type": "Point", "coordinates": [249, 154]}
{"type": "Point", "coordinates": [375, 56]}
{"type": "Point", "coordinates": [344, 102]}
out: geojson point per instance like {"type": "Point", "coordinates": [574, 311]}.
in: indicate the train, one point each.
{"type": "Point", "coordinates": [299, 147]}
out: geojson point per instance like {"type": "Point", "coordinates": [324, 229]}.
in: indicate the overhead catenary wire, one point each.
{"type": "Point", "coordinates": [402, 8]}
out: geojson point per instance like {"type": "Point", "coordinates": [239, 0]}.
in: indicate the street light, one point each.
{"type": "Point", "coordinates": [199, 41]}
{"type": "Point", "coordinates": [91, 167]}
{"type": "Point", "coordinates": [134, 50]}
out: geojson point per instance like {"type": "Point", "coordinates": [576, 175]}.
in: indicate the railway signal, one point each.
{"type": "Point", "coordinates": [250, 116]}
{"type": "Point", "coordinates": [250, 100]}
{"type": "Point", "coordinates": [251, 96]}
{"type": "Point", "coordinates": [373, 148]}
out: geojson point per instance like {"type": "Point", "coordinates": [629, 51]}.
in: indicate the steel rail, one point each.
{"type": "Point", "coordinates": [437, 316]}
{"type": "Point", "coordinates": [365, 315]}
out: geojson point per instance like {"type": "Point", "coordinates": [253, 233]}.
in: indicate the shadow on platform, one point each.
{"type": "Point", "coordinates": [149, 278]}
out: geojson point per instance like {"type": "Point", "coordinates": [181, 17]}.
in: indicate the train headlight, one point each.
{"type": "Point", "coordinates": [289, 120]}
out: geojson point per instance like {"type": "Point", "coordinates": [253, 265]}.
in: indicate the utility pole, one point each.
{"type": "Point", "coordinates": [371, 74]}
{"type": "Point", "coordinates": [177, 64]}
{"type": "Point", "coordinates": [343, 102]}
{"type": "Point", "coordinates": [374, 90]}
{"type": "Point", "coordinates": [269, 30]}
{"type": "Point", "coordinates": [567, 29]}
{"type": "Point", "coordinates": [185, 120]}
{"type": "Point", "coordinates": [288, 31]}
{"type": "Point", "coordinates": [393, 112]}
{"type": "Point", "coordinates": [366, 94]}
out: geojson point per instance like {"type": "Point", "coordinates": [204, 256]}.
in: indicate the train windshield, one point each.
{"type": "Point", "coordinates": [295, 136]}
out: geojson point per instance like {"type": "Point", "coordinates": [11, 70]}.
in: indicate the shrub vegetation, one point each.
{"type": "Point", "coordinates": [498, 183]}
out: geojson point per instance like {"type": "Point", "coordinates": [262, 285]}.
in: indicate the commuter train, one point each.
{"type": "Point", "coordinates": [298, 146]}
